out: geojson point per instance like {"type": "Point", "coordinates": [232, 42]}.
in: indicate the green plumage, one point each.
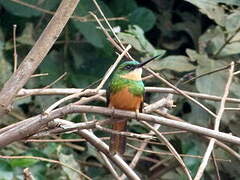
{"type": "Point", "coordinates": [117, 82]}
{"type": "Point", "coordinates": [125, 91]}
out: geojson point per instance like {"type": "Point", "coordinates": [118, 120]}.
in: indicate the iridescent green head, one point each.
{"type": "Point", "coordinates": [126, 67]}
{"type": "Point", "coordinates": [132, 69]}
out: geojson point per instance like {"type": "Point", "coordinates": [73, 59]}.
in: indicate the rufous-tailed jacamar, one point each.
{"type": "Point", "coordinates": [126, 92]}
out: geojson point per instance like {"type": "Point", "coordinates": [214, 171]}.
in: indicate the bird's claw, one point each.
{"type": "Point", "coordinates": [137, 114]}
{"type": "Point", "coordinates": [113, 112]}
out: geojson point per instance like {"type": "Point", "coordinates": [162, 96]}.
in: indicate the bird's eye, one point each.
{"type": "Point", "coordinates": [128, 67]}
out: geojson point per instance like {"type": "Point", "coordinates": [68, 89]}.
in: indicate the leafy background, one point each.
{"type": "Point", "coordinates": [193, 36]}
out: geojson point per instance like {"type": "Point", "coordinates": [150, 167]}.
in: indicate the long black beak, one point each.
{"type": "Point", "coordinates": [146, 61]}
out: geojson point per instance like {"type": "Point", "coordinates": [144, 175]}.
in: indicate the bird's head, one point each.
{"type": "Point", "coordinates": [132, 69]}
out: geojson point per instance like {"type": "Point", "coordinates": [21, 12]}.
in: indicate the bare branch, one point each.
{"type": "Point", "coordinates": [180, 92]}
{"type": "Point", "coordinates": [111, 69]}
{"type": "Point", "coordinates": [170, 147]}
{"type": "Point", "coordinates": [30, 126]}
{"type": "Point", "coordinates": [36, 55]}
{"type": "Point", "coordinates": [109, 165]}
{"type": "Point", "coordinates": [15, 56]}
{"type": "Point", "coordinates": [46, 160]}
{"type": "Point", "coordinates": [79, 18]}
{"type": "Point", "coordinates": [101, 146]}
{"type": "Point", "coordinates": [216, 125]}
{"type": "Point", "coordinates": [68, 91]}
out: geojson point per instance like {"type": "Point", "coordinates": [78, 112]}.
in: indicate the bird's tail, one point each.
{"type": "Point", "coordinates": [118, 142]}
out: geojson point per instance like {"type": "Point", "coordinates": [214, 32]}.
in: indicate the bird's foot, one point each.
{"type": "Point", "coordinates": [113, 112]}
{"type": "Point", "coordinates": [137, 114]}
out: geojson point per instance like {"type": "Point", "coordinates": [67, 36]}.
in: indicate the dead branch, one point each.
{"type": "Point", "coordinates": [32, 125]}
{"type": "Point", "coordinates": [36, 54]}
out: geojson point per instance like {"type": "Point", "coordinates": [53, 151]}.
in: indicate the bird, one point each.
{"type": "Point", "coordinates": [126, 92]}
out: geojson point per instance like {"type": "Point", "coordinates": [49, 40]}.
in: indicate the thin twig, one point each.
{"type": "Point", "coordinates": [81, 19]}
{"type": "Point", "coordinates": [205, 74]}
{"type": "Point", "coordinates": [30, 126]}
{"type": "Point", "coordinates": [236, 73]}
{"type": "Point", "coordinates": [228, 149]}
{"type": "Point", "coordinates": [46, 160]}
{"type": "Point", "coordinates": [226, 42]}
{"type": "Point", "coordinates": [15, 56]}
{"type": "Point", "coordinates": [170, 147]}
{"type": "Point", "coordinates": [216, 125]}
{"type": "Point", "coordinates": [36, 55]}
{"type": "Point", "coordinates": [77, 95]}
{"type": "Point", "coordinates": [124, 133]}
{"type": "Point", "coordinates": [38, 75]}
{"type": "Point", "coordinates": [110, 27]}
{"type": "Point", "coordinates": [54, 82]}
{"type": "Point", "coordinates": [159, 163]}
{"type": "Point", "coordinates": [181, 92]}
{"type": "Point", "coordinates": [68, 91]}
{"type": "Point", "coordinates": [109, 38]}
{"type": "Point", "coordinates": [85, 100]}
{"type": "Point", "coordinates": [215, 166]}
{"type": "Point", "coordinates": [170, 154]}
{"type": "Point", "coordinates": [101, 146]}
{"type": "Point", "coordinates": [232, 109]}
{"type": "Point", "coordinates": [137, 156]}
{"type": "Point", "coordinates": [109, 165]}
{"type": "Point", "coordinates": [56, 104]}
{"type": "Point", "coordinates": [47, 86]}
{"type": "Point", "coordinates": [111, 69]}
{"type": "Point", "coordinates": [27, 174]}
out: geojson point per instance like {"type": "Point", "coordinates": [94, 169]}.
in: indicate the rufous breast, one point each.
{"type": "Point", "coordinates": [126, 100]}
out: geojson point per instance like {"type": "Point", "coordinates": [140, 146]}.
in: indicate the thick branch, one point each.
{"type": "Point", "coordinates": [100, 145]}
{"type": "Point", "coordinates": [67, 91]}
{"type": "Point", "coordinates": [36, 55]}
{"type": "Point", "coordinates": [32, 125]}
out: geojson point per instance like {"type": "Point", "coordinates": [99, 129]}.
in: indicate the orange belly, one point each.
{"type": "Point", "coordinates": [125, 100]}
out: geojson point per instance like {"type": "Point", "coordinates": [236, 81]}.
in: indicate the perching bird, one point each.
{"type": "Point", "coordinates": [126, 92]}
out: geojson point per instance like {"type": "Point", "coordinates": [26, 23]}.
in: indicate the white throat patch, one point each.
{"type": "Point", "coordinates": [136, 75]}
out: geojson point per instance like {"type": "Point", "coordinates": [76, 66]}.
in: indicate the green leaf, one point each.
{"type": "Point", "coordinates": [230, 49]}
{"type": "Point", "coordinates": [23, 11]}
{"type": "Point", "coordinates": [212, 9]}
{"type": "Point", "coordinates": [89, 29]}
{"type": "Point", "coordinates": [70, 161]}
{"type": "Point", "coordinates": [235, 87]}
{"type": "Point", "coordinates": [214, 83]}
{"type": "Point", "coordinates": [81, 80]}
{"type": "Point", "coordinates": [175, 63]}
{"type": "Point", "coordinates": [20, 10]}
{"type": "Point", "coordinates": [193, 55]}
{"type": "Point", "coordinates": [191, 27]}
{"type": "Point", "coordinates": [5, 67]}
{"type": "Point", "coordinates": [191, 147]}
{"type": "Point", "coordinates": [135, 36]}
{"type": "Point", "coordinates": [211, 40]}
{"type": "Point", "coordinates": [91, 33]}
{"type": "Point", "coordinates": [123, 7]}
{"type": "Point", "coordinates": [6, 171]}
{"type": "Point", "coordinates": [1, 37]}
{"type": "Point", "coordinates": [232, 22]}
{"type": "Point", "coordinates": [196, 111]}
{"type": "Point", "coordinates": [27, 35]}
{"type": "Point", "coordinates": [143, 17]}
{"type": "Point", "coordinates": [53, 65]}
{"type": "Point", "coordinates": [39, 170]}
{"type": "Point", "coordinates": [22, 162]}
{"type": "Point", "coordinates": [214, 39]}
{"type": "Point", "coordinates": [25, 162]}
